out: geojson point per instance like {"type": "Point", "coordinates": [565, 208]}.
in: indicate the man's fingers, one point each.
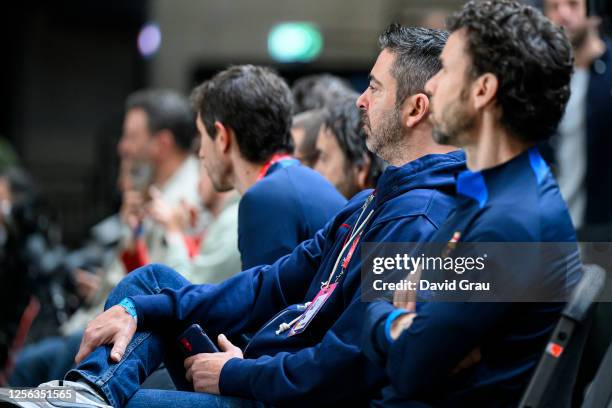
{"type": "Point", "coordinates": [121, 341]}
{"type": "Point", "coordinates": [189, 362]}
{"type": "Point", "coordinates": [225, 344]}
{"type": "Point", "coordinates": [84, 350]}
{"type": "Point", "coordinates": [189, 375]}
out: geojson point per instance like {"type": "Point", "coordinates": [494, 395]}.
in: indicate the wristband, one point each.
{"type": "Point", "coordinates": [129, 307]}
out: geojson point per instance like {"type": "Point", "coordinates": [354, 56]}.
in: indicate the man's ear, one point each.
{"type": "Point", "coordinates": [223, 138]}
{"type": "Point", "coordinates": [485, 90]}
{"type": "Point", "coordinates": [415, 109]}
{"type": "Point", "coordinates": [164, 139]}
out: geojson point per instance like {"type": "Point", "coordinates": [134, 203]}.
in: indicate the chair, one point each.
{"type": "Point", "coordinates": [554, 377]}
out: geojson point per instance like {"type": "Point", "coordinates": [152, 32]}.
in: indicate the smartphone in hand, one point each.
{"type": "Point", "coordinates": [194, 341]}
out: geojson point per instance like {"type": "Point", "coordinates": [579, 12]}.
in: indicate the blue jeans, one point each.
{"type": "Point", "coordinates": [46, 360]}
{"type": "Point", "coordinates": [120, 382]}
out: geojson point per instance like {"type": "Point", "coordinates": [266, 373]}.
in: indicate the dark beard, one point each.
{"type": "Point", "coordinates": [386, 139]}
{"type": "Point", "coordinates": [457, 123]}
{"type": "Point", "coordinates": [364, 121]}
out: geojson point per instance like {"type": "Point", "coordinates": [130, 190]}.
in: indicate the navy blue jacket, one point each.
{"type": "Point", "coordinates": [324, 363]}
{"type": "Point", "coordinates": [518, 201]}
{"type": "Point", "coordinates": [288, 206]}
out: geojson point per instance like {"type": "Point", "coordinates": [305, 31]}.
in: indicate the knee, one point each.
{"type": "Point", "coordinates": [147, 280]}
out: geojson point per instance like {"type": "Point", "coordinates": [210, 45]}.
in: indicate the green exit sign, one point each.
{"type": "Point", "coordinates": [295, 42]}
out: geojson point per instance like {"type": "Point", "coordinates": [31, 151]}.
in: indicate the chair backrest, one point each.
{"type": "Point", "coordinates": [554, 377]}
{"type": "Point", "coordinates": [599, 393]}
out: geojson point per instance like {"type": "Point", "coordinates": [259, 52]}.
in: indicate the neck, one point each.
{"type": "Point", "coordinates": [492, 145]}
{"type": "Point", "coordinates": [245, 174]}
{"type": "Point", "coordinates": [219, 204]}
{"type": "Point", "coordinates": [167, 167]}
{"type": "Point", "coordinates": [415, 146]}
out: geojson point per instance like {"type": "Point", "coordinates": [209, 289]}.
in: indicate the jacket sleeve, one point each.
{"type": "Point", "coordinates": [241, 302]}
{"type": "Point", "coordinates": [310, 375]}
{"type": "Point", "coordinates": [441, 335]}
{"type": "Point", "coordinates": [325, 370]}
{"type": "Point", "coordinates": [374, 338]}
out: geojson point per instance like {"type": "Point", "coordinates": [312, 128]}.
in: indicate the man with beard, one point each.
{"type": "Point", "coordinates": [501, 90]}
{"type": "Point", "coordinates": [300, 354]}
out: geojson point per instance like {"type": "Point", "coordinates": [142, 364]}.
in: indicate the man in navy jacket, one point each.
{"type": "Point", "coordinates": [244, 119]}
{"type": "Point", "coordinates": [502, 89]}
{"type": "Point", "coordinates": [302, 353]}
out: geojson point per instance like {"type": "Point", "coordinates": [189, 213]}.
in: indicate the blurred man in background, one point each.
{"type": "Point", "coordinates": [343, 157]}
{"type": "Point", "coordinates": [318, 91]}
{"type": "Point", "coordinates": [158, 131]}
{"type": "Point", "coordinates": [216, 256]}
{"type": "Point", "coordinates": [304, 130]}
{"type": "Point", "coordinates": [583, 143]}
{"type": "Point", "coordinates": [156, 142]}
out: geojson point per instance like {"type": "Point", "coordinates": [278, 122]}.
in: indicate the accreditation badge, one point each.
{"type": "Point", "coordinates": [312, 309]}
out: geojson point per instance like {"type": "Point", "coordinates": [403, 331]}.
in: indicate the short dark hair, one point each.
{"type": "Point", "coordinates": [255, 103]}
{"type": "Point", "coordinates": [311, 122]}
{"type": "Point", "coordinates": [318, 91]}
{"type": "Point", "coordinates": [531, 58]}
{"type": "Point", "coordinates": [166, 109]}
{"type": "Point", "coordinates": [343, 120]}
{"type": "Point", "coordinates": [417, 56]}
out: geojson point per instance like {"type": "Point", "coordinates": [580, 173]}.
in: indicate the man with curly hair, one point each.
{"type": "Point", "coordinates": [502, 89]}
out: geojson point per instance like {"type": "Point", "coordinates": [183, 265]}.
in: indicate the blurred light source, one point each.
{"type": "Point", "coordinates": [295, 42]}
{"type": "Point", "coordinates": [149, 39]}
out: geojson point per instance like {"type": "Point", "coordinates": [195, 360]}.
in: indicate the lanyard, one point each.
{"type": "Point", "coordinates": [352, 242]}
{"type": "Point", "coordinates": [277, 157]}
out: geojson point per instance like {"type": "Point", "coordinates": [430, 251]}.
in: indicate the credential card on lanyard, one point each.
{"type": "Point", "coordinates": [313, 309]}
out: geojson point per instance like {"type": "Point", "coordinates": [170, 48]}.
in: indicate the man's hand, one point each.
{"type": "Point", "coordinates": [171, 218]}
{"type": "Point", "coordinates": [400, 324]}
{"type": "Point", "coordinates": [132, 208]}
{"type": "Point", "coordinates": [204, 370]}
{"type": "Point", "coordinates": [114, 326]}
{"type": "Point", "coordinates": [87, 284]}
{"type": "Point", "coordinates": [406, 299]}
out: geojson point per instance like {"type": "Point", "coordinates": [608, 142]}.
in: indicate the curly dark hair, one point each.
{"type": "Point", "coordinates": [530, 56]}
{"type": "Point", "coordinates": [255, 103]}
{"type": "Point", "coordinates": [417, 56]}
{"type": "Point", "coordinates": [343, 120]}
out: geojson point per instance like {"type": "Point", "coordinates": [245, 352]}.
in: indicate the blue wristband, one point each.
{"type": "Point", "coordinates": [392, 316]}
{"type": "Point", "coordinates": [129, 307]}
